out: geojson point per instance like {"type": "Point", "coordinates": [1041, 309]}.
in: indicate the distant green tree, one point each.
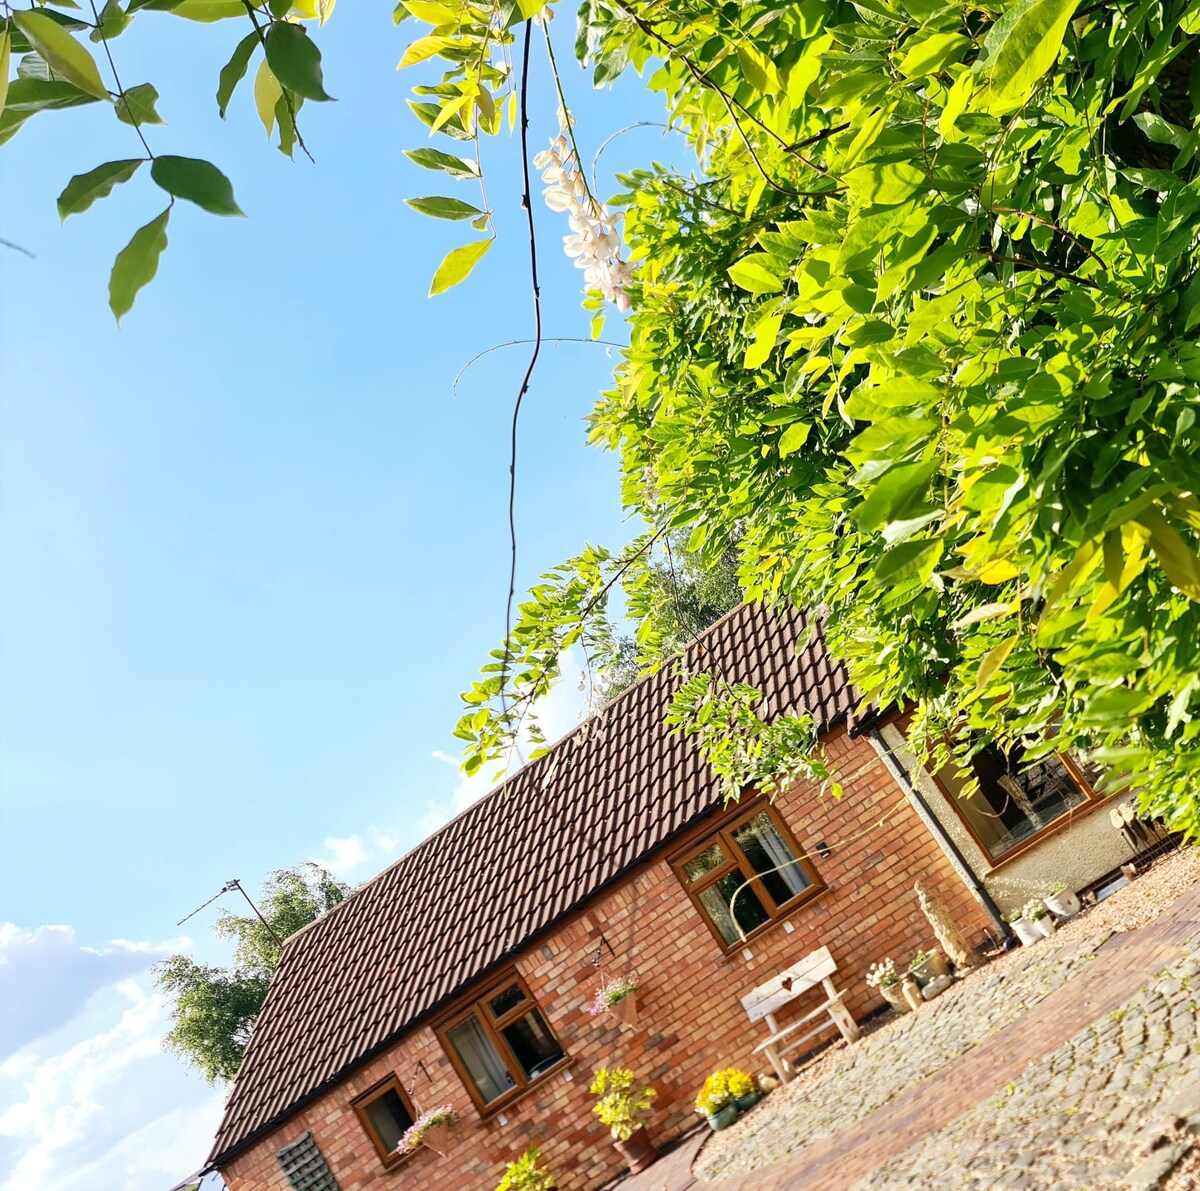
{"type": "Point", "coordinates": [214, 1008]}
{"type": "Point", "coordinates": [687, 596]}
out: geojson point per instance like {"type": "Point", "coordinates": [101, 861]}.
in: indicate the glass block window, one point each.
{"type": "Point", "coordinates": [305, 1168]}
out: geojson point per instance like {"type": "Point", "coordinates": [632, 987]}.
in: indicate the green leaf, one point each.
{"type": "Point", "coordinates": [766, 333]}
{"type": "Point", "coordinates": [755, 273]}
{"type": "Point", "coordinates": [431, 12]}
{"type": "Point", "coordinates": [992, 661]}
{"type": "Point", "coordinates": [234, 71]}
{"type": "Point", "coordinates": [136, 106]}
{"type": "Point", "coordinates": [199, 182]}
{"type": "Point", "coordinates": [5, 58]}
{"type": "Point", "coordinates": [443, 208]}
{"type": "Point", "coordinates": [286, 125]}
{"type": "Point", "coordinates": [931, 54]}
{"type": "Point", "coordinates": [753, 69]}
{"type": "Point", "coordinates": [64, 55]}
{"type": "Point", "coordinates": [1018, 49]}
{"type": "Point", "coordinates": [203, 11]}
{"type": "Point", "coordinates": [421, 49]}
{"type": "Point", "coordinates": [267, 93]}
{"type": "Point", "coordinates": [36, 95]}
{"type": "Point", "coordinates": [908, 559]}
{"type": "Point", "coordinates": [136, 264]}
{"type": "Point", "coordinates": [886, 184]}
{"type": "Point", "coordinates": [895, 493]}
{"type": "Point", "coordinates": [295, 60]}
{"type": "Point", "coordinates": [114, 20]}
{"type": "Point", "coordinates": [84, 189]}
{"type": "Point", "coordinates": [33, 66]}
{"type": "Point", "coordinates": [870, 330]}
{"type": "Point", "coordinates": [1175, 556]}
{"type": "Point", "coordinates": [793, 438]}
{"type": "Point", "coordinates": [458, 265]}
{"type": "Point", "coordinates": [435, 159]}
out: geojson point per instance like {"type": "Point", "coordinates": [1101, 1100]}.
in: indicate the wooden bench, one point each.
{"type": "Point", "coordinates": [767, 999]}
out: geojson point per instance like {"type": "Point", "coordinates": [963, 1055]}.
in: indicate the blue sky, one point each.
{"type": "Point", "coordinates": [253, 547]}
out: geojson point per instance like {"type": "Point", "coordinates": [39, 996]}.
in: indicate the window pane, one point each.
{"type": "Point", "coordinates": [1012, 803]}
{"type": "Point", "coordinates": [747, 909]}
{"type": "Point", "coordinates": [765, 848]}
{"type": "Point", "coordinates": [389, 1118]}
{"type": "Point", "coordinates": [712, 857]}
{"type": "Point", "coordinates": [479, 1057]}
{"type": "Point", "coordinates": [532, 1044]}
{"type": "Point", "coordinates": [510, 998]}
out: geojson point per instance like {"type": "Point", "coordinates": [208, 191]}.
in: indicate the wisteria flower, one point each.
{"type": "Point", "coordinates": [595, 240]}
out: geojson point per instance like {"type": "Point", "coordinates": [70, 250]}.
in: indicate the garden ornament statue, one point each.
{"type": "Point", "coordinates": [948, 935]}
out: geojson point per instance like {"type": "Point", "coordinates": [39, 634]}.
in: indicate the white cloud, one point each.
{"type": "Point", "coordinates": [47, 978]}
{"type": "Point", "coordinates": [110, 1110]}
{"type": "Point", "coordinates": [346, 856]}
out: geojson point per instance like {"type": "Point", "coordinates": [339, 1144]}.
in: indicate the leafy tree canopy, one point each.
{"type": "Point", "coordinates": [687, 596]}
{"type": "Point", "coordinates": [918, 331]}
{"type": "Point", "coordinates": [213, 1008]}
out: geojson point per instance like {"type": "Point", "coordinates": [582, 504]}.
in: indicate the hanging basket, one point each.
{"type": "Point", "coordinates": [437, 1138]}
{"type": "Point", "coordinates": [626, 1010]}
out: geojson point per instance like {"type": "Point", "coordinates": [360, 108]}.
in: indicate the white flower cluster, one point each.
{"type": "Point", "coordinates": [883, 974]}
{"type": "Point", "coordinates": [594, 242]}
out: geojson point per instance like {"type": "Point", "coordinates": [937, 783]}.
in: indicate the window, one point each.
{"type": "Point", "coordinates": [385, 1112]}
{"type": "Point", "coordinates": [304, 1166]}
{"type": "Point", "coordinates": [502, 1045]}
{"type": "Point", "coordinates": [1013, 801]}
{"type": "Point", "coordinates": [746, 875]}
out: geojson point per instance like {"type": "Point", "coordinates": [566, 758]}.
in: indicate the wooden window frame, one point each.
{"type": "Point", "coordinates": [1091, 801]}
{"type": "Point", "coordinates": [492, 1026]}
{"type": "Point", "coordinates": [388, 1083]}
{"type": "Point", "coordinates": [735, 860]}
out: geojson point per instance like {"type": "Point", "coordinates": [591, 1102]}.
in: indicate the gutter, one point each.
{"type": "Point", "coordinates": [902, 778]}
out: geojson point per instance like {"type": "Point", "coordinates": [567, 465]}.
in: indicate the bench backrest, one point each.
{"type": "Point", "coordinates": [789, 984]}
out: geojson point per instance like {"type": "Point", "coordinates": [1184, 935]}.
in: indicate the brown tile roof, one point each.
{"type": "Point", "coordinates": [461, 902]}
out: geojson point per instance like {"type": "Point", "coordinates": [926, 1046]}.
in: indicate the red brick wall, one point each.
{"type": "Point", "coordinates": [690, 1016]}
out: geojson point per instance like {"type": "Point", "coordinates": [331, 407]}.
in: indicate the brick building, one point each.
{"type": "Point", "coordinates": [462, 974]}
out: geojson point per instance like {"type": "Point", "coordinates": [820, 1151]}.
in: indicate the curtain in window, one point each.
{"type": "Point", "coordinates": [480, 1059]}
{"type": "Point", "coordinates": [760, 839]}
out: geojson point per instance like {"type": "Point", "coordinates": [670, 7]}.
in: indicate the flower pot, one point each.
{"type": "Point", "coordinates": [437, 1138]}
{"type": "Point", "coordinates": [625, 1010]}
{"type": "Point", "coordinates": [723, 1117]}
{"type": "Point", "coordinates": [639, 1150]}
{"type": "Point", "coordinates": [932, 968]}
{"type": "Point", "coordinates": [894, 997]}
{"type": "Point", "coordinates": [1027, 931]}
{"type": "Point", "coordinates": [1046, 925]}
{"type": "Point", "coordinates": [746, 1103]}
{"type": "Point", "coordinates": [1065, 904]}
{"type": "Point", "coordinates": [937, 986]}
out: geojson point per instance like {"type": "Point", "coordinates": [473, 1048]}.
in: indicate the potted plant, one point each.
{"type": "Point", "coordinates": [431, 1130]}
{"type": "Point", "coordinates": [1035, 911]}
{"type": "Point", "coordinates": [1024, 928]}
{"type": "Point", "coordinates": [716, 1102]}
{"type": "Point", "coordinates": [527, 1174]}
{"type": "Point", "coordinates": [617, 996]}
{"type": "Point", "coordinates": [1062, 901]}
{"type": "Point", "coordinates": [622, 1102]}
{"type": "Point", "coordinates": [743, 1089]}
{"type": "Point", "coordinates": [886, 979]}
{"type": "Point", "coordinates": [927, 966]}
